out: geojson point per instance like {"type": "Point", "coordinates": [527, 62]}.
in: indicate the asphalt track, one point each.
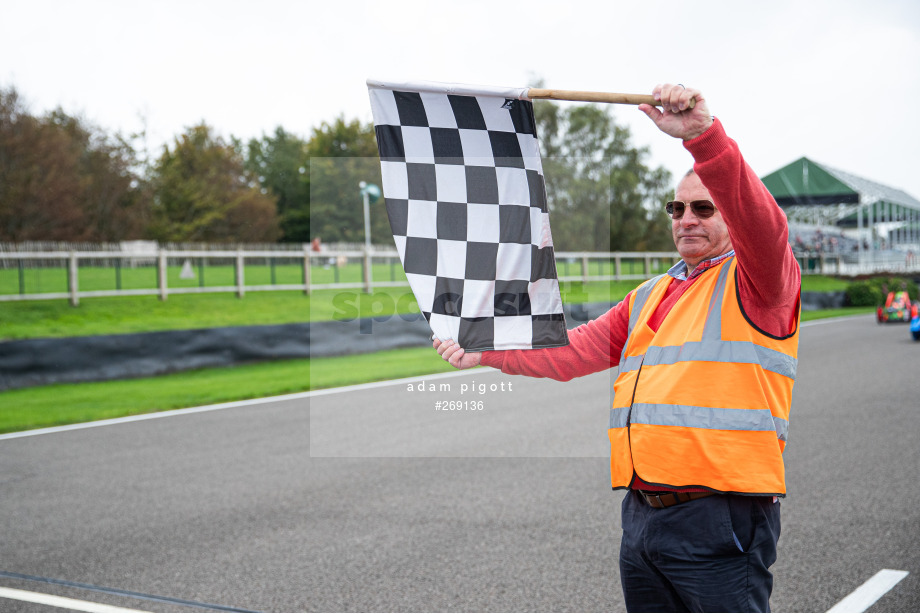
{"type": "Point", "coordinates": [383, 503]}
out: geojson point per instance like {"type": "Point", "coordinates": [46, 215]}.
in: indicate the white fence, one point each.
{"type": "Point", "coordinates": [878, 262]}
{"type": "Point", "coordinates": [361, 269]}
{"type": "Point", "coordinates": [74, 275]}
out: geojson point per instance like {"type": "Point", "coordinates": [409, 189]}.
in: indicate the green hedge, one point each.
{"type": "Point", "coordinates": [872, 292]}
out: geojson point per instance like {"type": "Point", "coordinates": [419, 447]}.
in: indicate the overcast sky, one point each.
{"type": "Point", "coordinates": [834, 80]}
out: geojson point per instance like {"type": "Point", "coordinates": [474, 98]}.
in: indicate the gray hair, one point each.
{"type": "Point", "coordinates": [684, 176]}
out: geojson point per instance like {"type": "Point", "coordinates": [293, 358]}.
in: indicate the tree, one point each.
{"type": "Point", "coordinates": [114, 199]}
{"type": "Point", "coordinates": [64, 179]}
{"type": "Point", "coordinates": [281, 163]}
{"type": "Point", "coordinates": [342, 154]}
{"type": "Point", "coordinates": [203, 192]}
{"type": "Point", "coordinates": [38, 177]}
{"type": "Point", "coordinates": [601, 193]}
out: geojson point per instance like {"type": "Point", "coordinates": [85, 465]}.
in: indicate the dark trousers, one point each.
{"type": "Point", "coordinates": [707, 555]}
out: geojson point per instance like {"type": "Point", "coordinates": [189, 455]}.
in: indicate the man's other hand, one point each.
{"type": "Point", "coordinates": [456, 355]}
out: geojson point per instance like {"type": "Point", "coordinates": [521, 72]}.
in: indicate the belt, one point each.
{"type": "Point", "coordinates": [660, 500]}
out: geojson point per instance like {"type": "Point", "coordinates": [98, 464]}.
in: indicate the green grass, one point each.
{"type": "Point", "coordinates": [44, 280]}
{"type": "Point", "coordinates": [45, 406]}
{"type": "Point", "coordinates": [823, 283]}
{"type": "Point", "coordinates": [819, 314]}
{"type": "Point", "coordinates": [134, 314]}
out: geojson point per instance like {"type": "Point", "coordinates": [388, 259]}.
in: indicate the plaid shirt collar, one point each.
{"type": "Point", "coordinates": [679, 270]}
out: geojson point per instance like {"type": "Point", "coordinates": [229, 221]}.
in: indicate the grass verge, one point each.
{"type": "Point", "coordinates": [819, 314]}
{"type": "Point", "coordinates": [54, 405]}
{"type": "Point", "coordinates": [59, 404]}
{"type": "Point", "coordinates": [139, 314]}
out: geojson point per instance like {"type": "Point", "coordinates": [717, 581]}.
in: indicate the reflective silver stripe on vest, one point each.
{"type": "Point", "coordinates": [631, 363]}
{"type": "Point", "coordinates": [712, 348]}
{"type": "Point", "coordinates": [701, 417]}
{"type": "Point", "coordinates": [619, 417]}
{"type": "Point", "coordinates": [712, 330]}
{"type": "Point", "coordinates": [721, 418]}
{"type": "Point", "coordinates": [782, 427]}
{"type": "Point", "coordinates": [642, 295]}
{"type": "Point", "coordinates": [722, 351]}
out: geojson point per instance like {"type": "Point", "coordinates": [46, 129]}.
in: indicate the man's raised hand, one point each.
{"type": "Point", "coordinates": [676, 117]}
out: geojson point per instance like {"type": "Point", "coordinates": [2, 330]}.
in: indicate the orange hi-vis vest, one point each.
{"type": "Point", "coordinates": [705, 400]}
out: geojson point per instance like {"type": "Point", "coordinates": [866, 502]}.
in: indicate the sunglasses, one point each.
{"type": "Point", "coordinates": [702, 209]}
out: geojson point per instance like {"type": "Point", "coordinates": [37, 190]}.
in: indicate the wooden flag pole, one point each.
{"type": "Point", "coordinates": [582, 96]}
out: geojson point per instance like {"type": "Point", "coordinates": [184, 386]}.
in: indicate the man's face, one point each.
{"type": "Point", "coordinates": [698, 239]}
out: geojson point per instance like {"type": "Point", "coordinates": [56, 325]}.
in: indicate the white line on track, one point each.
{"type": "Point", "coordinates": [832, 320]}
{"type": "Point", "coordinates": [60, 602]}
{"type": "Point", "coordinates": [233, 404]}
{"type": "Point", "coordinates": [874, 588]}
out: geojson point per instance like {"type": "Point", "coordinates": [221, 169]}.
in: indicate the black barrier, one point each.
{"type": "Point", "coordinates": [36, 362]}
{"type": "Point", "coordinates": [823, 300]}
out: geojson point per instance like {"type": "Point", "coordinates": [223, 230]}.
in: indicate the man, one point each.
{"type": "Point", "coordinates": [707, 357]}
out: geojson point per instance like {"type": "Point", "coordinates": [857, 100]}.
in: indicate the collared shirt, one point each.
{"type": "Point", "coordinates": [679, 270]}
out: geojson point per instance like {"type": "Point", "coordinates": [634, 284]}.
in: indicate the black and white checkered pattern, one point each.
{"type": "Point", "coordinates": [464, 191]}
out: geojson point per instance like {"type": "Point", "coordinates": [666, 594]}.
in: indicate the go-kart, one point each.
{"type": "Point", "coordinates": [897, 308]}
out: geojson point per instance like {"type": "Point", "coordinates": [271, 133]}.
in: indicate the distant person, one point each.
{"type": "Point", "coordinates": [707, 357]}
{"type": "Point", "coordinates": [317, 246]}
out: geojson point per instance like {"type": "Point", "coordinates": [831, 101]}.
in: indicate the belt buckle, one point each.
{"type": "Point", "coordinates": [653, 496]}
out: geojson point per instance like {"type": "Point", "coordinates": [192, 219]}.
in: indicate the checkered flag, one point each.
{"type": "Point", "coordinates": [464, 191]}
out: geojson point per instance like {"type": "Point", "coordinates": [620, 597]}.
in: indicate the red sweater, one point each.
{"type": "Point", "coordinates": [769, 280]}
